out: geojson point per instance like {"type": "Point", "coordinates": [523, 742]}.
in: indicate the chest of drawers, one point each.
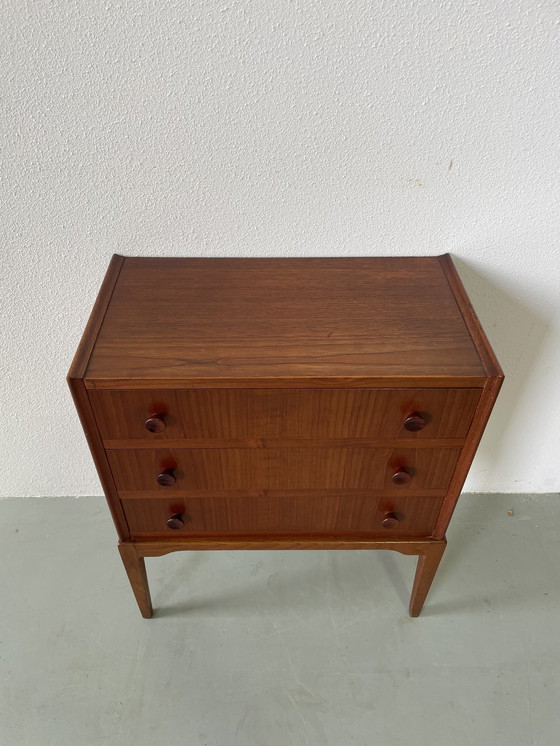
{"type": "Point", "coordinates": [283, 404]}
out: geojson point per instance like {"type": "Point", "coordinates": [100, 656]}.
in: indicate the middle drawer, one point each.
{"type": "Point", "coordinates": [162, 471]}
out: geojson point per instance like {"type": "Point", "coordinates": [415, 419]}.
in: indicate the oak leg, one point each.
{"type": "Point", "coordinates": [428, 563]}
{"type": "Point", "coordinates": [136, 570]}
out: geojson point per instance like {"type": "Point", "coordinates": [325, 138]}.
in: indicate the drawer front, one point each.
{"type": "Point", "coordinates": [425, 469]}
{"type": "Point", "coordinates": [330, 513]}
{"type": "Point", "coordinates": [209, 414]}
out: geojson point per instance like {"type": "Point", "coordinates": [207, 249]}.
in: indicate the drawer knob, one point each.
{"type": "Point", "coordinates": [414, 422]}
{"type": "Point", "coordinates": [166, 478]}
{"type": "Point", "coordinates": [155, 423]}
{"type": "Point", "coordinates": [390, 520]}
{"type": "Point", "coordinates": [401, 476]}
{"type": "Point", "coordinates": [176, 521]}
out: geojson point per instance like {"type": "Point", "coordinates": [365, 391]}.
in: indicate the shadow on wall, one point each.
{"type": "Point", "coordinates": [517, 334]}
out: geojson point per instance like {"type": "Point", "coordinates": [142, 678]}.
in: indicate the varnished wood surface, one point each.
{"type": "Point", "coordinates": [136, 570]}
{"type": "Point", "coordinates": [99, 455]}
{"type": "Point", "coordinates": [429, 551]}
{"type": "Point", "coordinates": [89, 336]}
{"type": "Point", "coordinates": [289, 382]}
{"type": "Point", "coordinates": [159, 547]}
{"type": "Point", "coordinates": [139, 444]}
{"type": "Point", "coordinates": [289, 469]}
{"type": "Point", "coordinates": [288, 318]}
{"type": "Point", "coordinates": [428, 563]}
{"type": "Point", "coordinates": [328, 513]}
{"type": "Point", "coordinates": [81, 400]}
{"type": "Point", "coordinates": [478, 335]}
{"type": "Point", "coordinates": [492, 387]}
{"type": "Point", "coordinates": [186, 494]}
{"type": "Point", "coordinates": [483, 412]}
{"type": "Point", "coordinates": [283, 385]}
{"type": "Point", "coordinates": [228, 414]}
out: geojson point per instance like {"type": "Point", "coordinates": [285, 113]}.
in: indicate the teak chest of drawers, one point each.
{"type": "Point", "coordinates": [283, 404]}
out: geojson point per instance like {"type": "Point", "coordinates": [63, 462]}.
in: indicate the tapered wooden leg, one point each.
{"type": "Point", "coordinates": [428, 563]}
{"type": "Point", "coordinates": [136, 570]}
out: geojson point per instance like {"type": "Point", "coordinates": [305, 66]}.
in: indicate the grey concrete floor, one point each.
{"type": "Point", "coordinates": [280, 648]}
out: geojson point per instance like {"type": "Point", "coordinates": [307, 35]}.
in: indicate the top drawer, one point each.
{"type": "Point", "coordinates": [232, 414]}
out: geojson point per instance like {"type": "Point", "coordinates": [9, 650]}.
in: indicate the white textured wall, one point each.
{"type": "Point", "coordinates": [277, 128]}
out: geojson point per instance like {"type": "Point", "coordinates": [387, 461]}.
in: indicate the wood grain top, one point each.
{"type": "Point", "coordinates": [376, 321]}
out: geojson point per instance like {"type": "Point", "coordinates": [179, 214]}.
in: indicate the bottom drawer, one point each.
{"type": "Point", "coordinates": [291, 514]}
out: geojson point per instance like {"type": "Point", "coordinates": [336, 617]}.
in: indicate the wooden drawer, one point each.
{"type": "Point", "coordinates": [329, 513]}
{"type": "Point", "coordinates": [208, 414]}
{"type": "Point", "coordinates": [430, 469]}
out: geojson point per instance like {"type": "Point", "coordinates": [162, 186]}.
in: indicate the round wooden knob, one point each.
{"type": "Point", "coordinates": [390, 520]}
{"type": "Point", "coordinates": [414, 422]}
{"type": "Point", "coordinates": [155, 423]}
{"type": "Point", "coordinates": [176, 521]}
{"type": "Point", "coordinates": [166, 478]}
{"type": "Point", "coordinates": [401, 476]}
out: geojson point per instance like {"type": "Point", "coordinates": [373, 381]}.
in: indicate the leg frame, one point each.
{"type": "Point", "coordinates": [429, 551]}
{"type": "Point", "coordinates": [136, 570]}
{"type": "Point", "coordinates": [428, 563]}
